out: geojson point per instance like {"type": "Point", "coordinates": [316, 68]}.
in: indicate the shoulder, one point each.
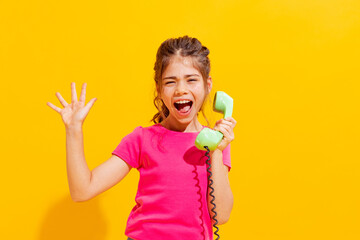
{"type": "Point", "coordinates": [136, 131]}
{"type": "Point", "coordinates": [148, 130]}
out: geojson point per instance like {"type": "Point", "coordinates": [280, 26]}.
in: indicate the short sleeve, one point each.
{"type": "Point", "coordinates": [129, 149]}
{"type": "Point", "coordinates": [227, 157]}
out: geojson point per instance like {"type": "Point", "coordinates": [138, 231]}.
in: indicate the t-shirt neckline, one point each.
{"type": "Point", "coordinates": [176, 132]}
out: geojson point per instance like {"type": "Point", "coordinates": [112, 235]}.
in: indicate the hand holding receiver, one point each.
{"type": "Point", "coordinates": [74, 114]}
{"type": "Point", "coordinates": [223, 103]}
{"type": "Point", "coordinates": [226, 127]}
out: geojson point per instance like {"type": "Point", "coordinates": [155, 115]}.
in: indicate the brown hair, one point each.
{"type": "Point", "coordinates": [185, 47]}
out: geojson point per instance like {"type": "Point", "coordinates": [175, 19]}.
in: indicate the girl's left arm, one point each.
{"type": "Point", "coordinates": [223, 195]}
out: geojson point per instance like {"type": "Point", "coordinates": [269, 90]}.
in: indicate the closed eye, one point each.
{"type": "Point", "coordinates": [169, 82]}
{"type": "Point", "coordinates": [192, 80]}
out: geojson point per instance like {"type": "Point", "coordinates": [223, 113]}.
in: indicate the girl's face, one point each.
{"type": "Point", "coordinates": [183, 90]}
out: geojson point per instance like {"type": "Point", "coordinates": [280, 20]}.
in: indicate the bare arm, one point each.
{"type": "Point", "coordinates": [224, 199]}
{"type": "Point", "coordinates": [78, 172]}
{"type": "Point", "coordinates": [107, 175]}
{"type": "Point", "coordinates": [83, 183]}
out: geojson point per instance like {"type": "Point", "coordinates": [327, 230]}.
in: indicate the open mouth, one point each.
{"type": "Point", "coordinates": [183, 106]}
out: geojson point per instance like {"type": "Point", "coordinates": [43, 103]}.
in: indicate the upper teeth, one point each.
{"type": "Point", "coordinates": [182, 101]}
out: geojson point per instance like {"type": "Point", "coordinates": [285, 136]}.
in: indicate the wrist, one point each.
{"type": "Point", "coordinates": [223, 144]}
{"type": "Point", "coordinates": [216, 152]}
{"type": "Point", "coordinates": [220, 147]}
{"type": "Point", "coordinates": [73, 128]}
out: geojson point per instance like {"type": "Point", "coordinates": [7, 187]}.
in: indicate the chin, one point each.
{"type": "Point", "coordinates": [186, 120]}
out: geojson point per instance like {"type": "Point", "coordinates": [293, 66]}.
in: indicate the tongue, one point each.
{"type": "Point", "coordinates": [183, 108]}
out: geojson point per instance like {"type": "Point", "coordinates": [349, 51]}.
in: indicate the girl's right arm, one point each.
{"type": "Point", "coordinates": [83, 183]}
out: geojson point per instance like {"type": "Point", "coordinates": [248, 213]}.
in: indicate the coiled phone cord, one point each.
{"type": "Point", "coordinates": [211, 192]}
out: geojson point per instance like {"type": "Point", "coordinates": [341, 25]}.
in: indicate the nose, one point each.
{"type": "Point", "coordinates": [181, 88]}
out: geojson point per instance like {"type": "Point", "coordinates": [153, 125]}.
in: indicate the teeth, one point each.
{"type": "Point", "coordinates": [182, 101]}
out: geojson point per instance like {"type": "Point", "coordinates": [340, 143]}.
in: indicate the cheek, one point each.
{"type": "Point", "coordinates": [165, 96]}
{"type": "Point", "coordinates": [199, 91]}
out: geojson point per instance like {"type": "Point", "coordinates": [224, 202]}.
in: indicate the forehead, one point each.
{"type": "Point", "coordinates": [180, 66]}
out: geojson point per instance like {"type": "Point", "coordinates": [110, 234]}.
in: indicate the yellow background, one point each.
{"type": "Point", "coordinates": [292, 68]}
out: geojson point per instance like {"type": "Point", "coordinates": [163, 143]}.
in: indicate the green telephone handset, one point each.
{"type": "Point", "coordinates": [209, 139]}
{"type": "Point", "coordinates": [223, 103]}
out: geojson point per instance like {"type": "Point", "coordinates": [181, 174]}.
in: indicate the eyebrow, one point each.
{"type": "Point", "coordinates": [186, 76]}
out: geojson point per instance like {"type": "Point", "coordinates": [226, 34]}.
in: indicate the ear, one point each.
{"type": "Point", "coordinates": [209, 84]}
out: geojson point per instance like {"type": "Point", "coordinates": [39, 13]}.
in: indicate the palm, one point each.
{"type": "Point", "coordinates": [74, 113]}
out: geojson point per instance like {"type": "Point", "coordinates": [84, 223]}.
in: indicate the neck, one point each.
{"type": "Point", "coordinates": [172, 124]}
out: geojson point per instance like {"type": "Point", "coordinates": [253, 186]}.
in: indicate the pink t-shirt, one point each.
{"type": "Point", "coordinates": [171, 200]}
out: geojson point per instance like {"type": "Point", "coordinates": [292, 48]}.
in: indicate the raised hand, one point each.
{"type": "Point", "coordinates": [74, 114]}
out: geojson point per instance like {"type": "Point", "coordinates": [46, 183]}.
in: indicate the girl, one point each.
{"type": "Point", "coordinates": [172, 199]}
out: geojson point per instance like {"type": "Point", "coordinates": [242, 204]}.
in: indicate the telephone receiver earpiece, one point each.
{"type": "Point", "coordinates": [223, 103]}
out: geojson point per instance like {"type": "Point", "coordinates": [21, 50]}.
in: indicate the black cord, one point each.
{"type": "Point", "coordinates": [211, 192]}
